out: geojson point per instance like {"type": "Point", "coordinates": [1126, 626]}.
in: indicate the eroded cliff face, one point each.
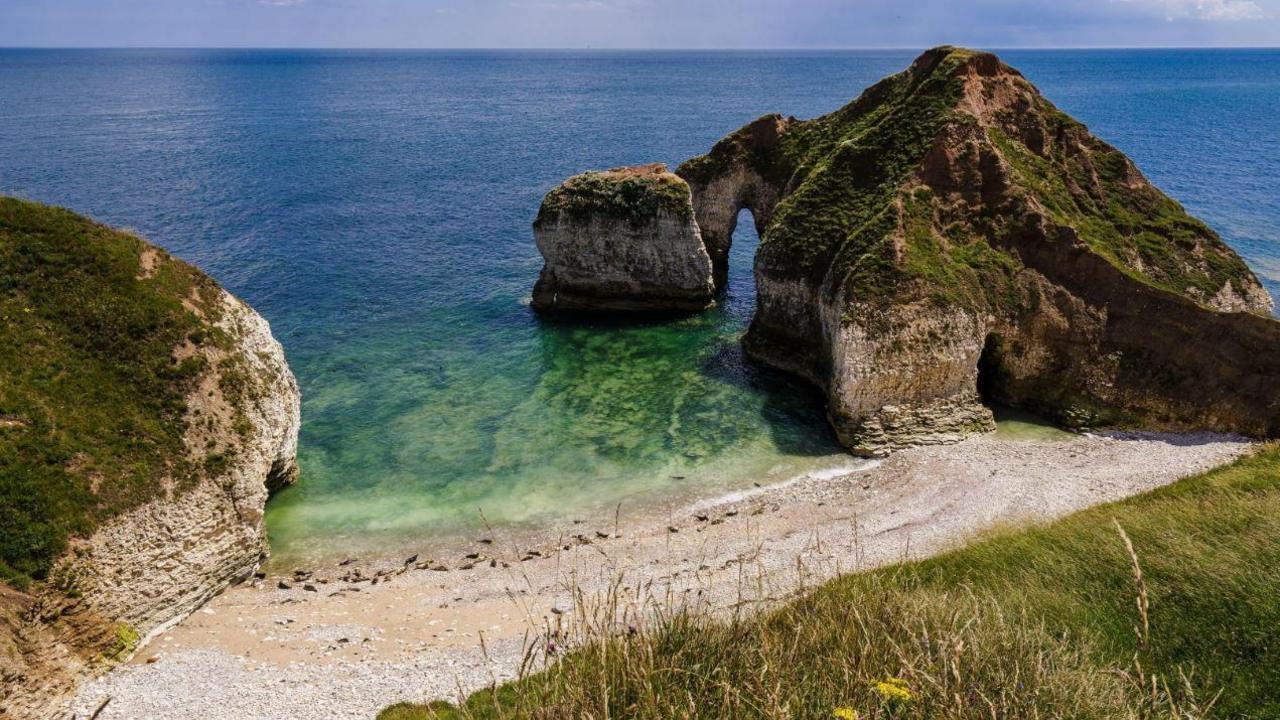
{"type": "Point", "coordinates": [952, 223]}
{"type": "Point", "coordinates": [748, 169]}
{"type": "Point", "coordinates": [947, 240]}
{"type": "Point", "coordinates": [155, 565]}
{"type": "Point", "coordinates": [623, 240]}
{"type": "Point", "coordinates": [193, 525]}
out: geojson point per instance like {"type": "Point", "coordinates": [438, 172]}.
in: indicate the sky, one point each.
{"type": "Point", "coordinates": [638, 23]}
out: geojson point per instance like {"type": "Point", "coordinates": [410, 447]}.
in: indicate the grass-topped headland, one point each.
{"type": "Point", "coordinates": [950, 208]}
{"type": "Point", "coordinates": [92, 388]}
{"type": "Point", "coordinates": [1159, 606]}
{"type": "Point", "coordinates": [843, 177]}
{"type": "Point", "coordinates": [145, 415]}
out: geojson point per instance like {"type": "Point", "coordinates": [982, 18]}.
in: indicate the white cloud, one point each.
{"type": "Point", "coordinates": [1204, 9]}
{"type": "Point", "coordinates": [281, 3]}
{"type": "Point", "coordinates": [1228, 10]}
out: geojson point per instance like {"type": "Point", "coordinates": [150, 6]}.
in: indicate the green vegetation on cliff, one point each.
{"type": "Point", "coordinates": [1041, 622]}
{"type": "Point", "coordinates": [1140, 230]}
{"type": "Point", "coordinates": [957, 118]}
{"type": "Point", "coordinates": [853, 164]}
{"type": "Point", "coordinates": [842, 171]}
{"type": "Point", "coordinates": [635, 194]}
{"type": "Point", "coordinates": [91, 391]}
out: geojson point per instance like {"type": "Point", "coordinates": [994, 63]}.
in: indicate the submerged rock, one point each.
{"type": "Point", "coordinates": [162, 414]}
{"type": "Point", "coordinates": [951, 231]}
{"type": "Point", "coordinates": [623, 240]}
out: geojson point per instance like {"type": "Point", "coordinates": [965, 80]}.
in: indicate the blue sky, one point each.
{"type": "Point", "coordinates": [638, 23]}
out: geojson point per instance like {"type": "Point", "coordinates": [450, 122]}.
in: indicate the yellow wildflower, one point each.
{"type": "Point", "coordinates": [893, 690]}
{"type": "Point", "coordinates": [844, 713]}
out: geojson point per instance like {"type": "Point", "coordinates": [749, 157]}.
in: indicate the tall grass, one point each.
{"type": "Point", "coordinates": [1161, 606]}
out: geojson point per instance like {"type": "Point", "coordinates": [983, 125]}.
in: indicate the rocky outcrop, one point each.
{"type": "Point", "coordinates": [623, 240]}
{"type": "Point", "coordinates": [156, 564]}
{"type": "Point", "coordinates": [951, 239]}
{"type": "Point", "coordinates": [952, 234]}
{"type": "Point", "coordinates": [749, 169]}
{"type": "Point", "coordinates": [193, 523]}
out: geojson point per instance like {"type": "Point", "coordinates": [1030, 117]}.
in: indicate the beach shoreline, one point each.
{"type": "Point", "coordinates": [459, 616]}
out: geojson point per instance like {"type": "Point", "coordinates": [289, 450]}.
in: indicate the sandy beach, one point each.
{"type": "Point", "coordinates": [343, 641]}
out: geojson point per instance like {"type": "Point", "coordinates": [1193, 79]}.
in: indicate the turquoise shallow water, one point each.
{"type": "Point", "coordinates": [375, 207]}
{"type": "Point", "coordinates": [520, 425]}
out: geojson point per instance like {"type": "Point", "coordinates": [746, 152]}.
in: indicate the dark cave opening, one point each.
{"type": "Point", "coordinates": [991, 374]}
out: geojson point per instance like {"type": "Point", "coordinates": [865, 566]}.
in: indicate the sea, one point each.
{"type": "Point", "coordinates": [375, 207]}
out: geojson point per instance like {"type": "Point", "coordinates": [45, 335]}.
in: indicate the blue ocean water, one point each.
{"type": "Point", "coordinates": [375, 207]}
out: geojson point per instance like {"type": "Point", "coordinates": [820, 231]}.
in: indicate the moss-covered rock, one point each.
{"type": "Point", "coordinates": [952, 218]}
{"type": "Point", "coordinates": [622, 240]}
{"type": "Point", "coordinates": [627, 193]}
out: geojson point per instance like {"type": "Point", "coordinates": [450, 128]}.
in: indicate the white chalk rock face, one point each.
{"type": "Point", "coordinates": [622, 240]}
{"type": "Point", "coordinates": [198, 531]}
{"type": "Point", "coordinates": [152, 567]}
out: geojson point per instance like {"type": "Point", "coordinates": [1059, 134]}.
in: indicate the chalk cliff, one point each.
{"type": "Point", "coordinates": [950, 239]}
{"type": "Point", "coordinates": [622, 240]}
{"type": "Point", "coordinates": [951, 232]}
{"type": "Point", "coordinates": [152, 414]}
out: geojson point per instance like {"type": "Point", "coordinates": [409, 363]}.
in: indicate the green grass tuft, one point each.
{"type": "Point", "coordinates": [634, 195]}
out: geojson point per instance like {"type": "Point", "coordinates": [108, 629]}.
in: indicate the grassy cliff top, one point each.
{"type": "Point", "coordinates": [631, 193]}
{"type": "Point", "coordinates": [91, 391]}
{"type": "Point", "coordinates": [851, 183]}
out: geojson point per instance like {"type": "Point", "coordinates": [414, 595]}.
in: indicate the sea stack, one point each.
{"type": "Point", "coordinates": [149, 415]}
{"type": "Point", "coordinates": [622, 241]}
{"type": "Point", "coordinates": [951, 238]}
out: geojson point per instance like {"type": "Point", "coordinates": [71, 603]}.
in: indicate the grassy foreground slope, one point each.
{"type": "Point", "coordinates": [1043, 622]}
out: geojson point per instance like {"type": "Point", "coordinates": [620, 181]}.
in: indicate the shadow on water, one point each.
{"type": "Point", "coordinates": [682, 377]}
{"type": "Point", "coordinates": [1018, 424]}
{"type": "Point", "coordinates": [793, 410]}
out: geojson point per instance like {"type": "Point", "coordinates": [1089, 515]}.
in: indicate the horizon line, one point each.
{"type": "Point", "coordinates": [548, 48]}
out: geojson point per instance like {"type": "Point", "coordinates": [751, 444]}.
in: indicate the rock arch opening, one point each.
{"type": "Point", "coordinates": [738, 281]}
{"type": "Point", "coordinates": [725, 222]}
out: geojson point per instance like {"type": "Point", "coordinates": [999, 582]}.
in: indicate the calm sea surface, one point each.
{"type": "Point", "coordinates": [375, 207]}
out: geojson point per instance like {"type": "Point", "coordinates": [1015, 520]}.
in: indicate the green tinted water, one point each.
{"type": "Point", "coordinates": [408, 441]}
{"type": "Point", "coordinates": [1014, 424]}
{"type": "Point", "coordinates": [407, 438]}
